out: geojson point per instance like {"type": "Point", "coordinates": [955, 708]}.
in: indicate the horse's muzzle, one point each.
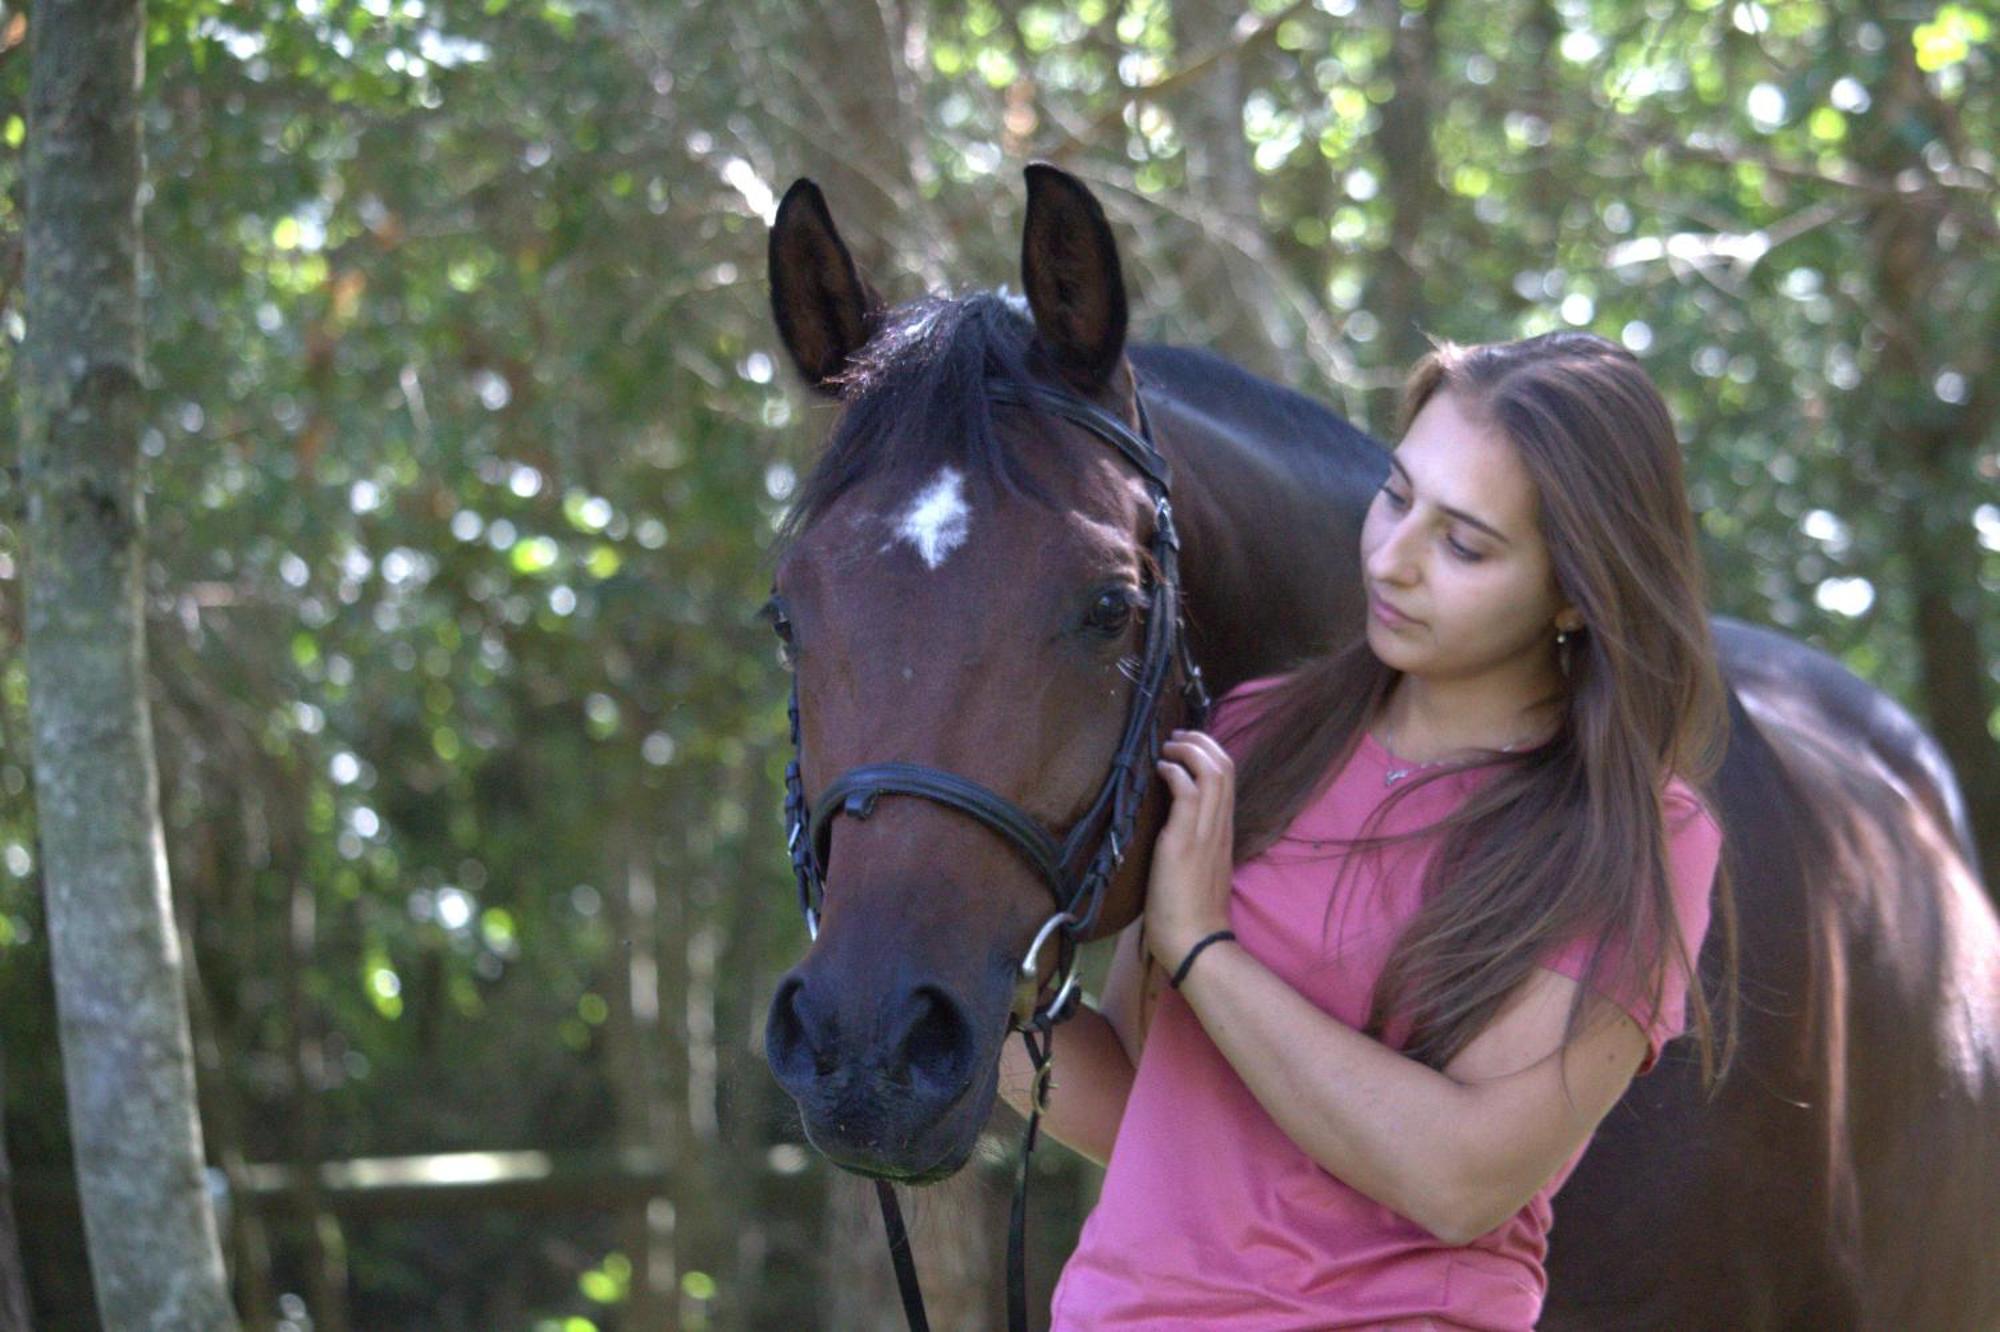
{"type": "Point", "coordinates": [897, 1098]}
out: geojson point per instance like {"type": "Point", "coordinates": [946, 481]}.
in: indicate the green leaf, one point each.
{"type": "Point", "coordinates": [535, 555]}
{"type": "Point", "coordinates": [1949, 38]}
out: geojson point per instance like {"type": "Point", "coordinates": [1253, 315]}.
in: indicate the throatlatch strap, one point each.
{"type": "Point", "coordinates": [899, 1253]}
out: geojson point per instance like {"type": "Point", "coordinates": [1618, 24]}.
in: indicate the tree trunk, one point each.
{"type": "Point", "coordinates": [1934, 444]}
{"type": "Point", "coordinates": [222, 1113]}
{"type": "Point", "coordinates": [1395, 295]}
{"type": "Point", "coordinates": [13, 1279]}
{"type": "Point", "coordinates": [1227, 285]}
{"type": "Point", "coordinates": [127, 1062]}
{"type": "Point", "coordinates": [636, 1067]}
{"type": "Point", "coordinates": [324, 1240]}
{"type": "Point", "coordinates": [867, 150]}
{"type": "Point", "coordinates": [750, 1099]}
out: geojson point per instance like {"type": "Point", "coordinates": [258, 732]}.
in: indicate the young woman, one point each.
{"type": "Point", "coordinates": [1428, 905]}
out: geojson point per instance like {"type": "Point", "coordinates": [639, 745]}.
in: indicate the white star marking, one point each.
{"type": "Point", "coordinates": [937, 521]}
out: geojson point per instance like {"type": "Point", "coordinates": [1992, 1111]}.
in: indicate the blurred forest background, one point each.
{"type": "Point", "coordinates": [469, 429]}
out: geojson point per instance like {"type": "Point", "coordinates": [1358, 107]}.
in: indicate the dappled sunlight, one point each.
{"type": "Point", "coordinates": [466, 437]}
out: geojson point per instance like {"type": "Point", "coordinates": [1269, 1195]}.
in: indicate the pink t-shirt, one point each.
{"type": "Point", "coordinates": [1210, 1216]}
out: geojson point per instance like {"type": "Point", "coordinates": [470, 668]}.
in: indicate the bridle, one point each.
{"type": "Point", "coordinates": [1105, 830]}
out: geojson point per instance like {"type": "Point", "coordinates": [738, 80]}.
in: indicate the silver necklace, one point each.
{"type": "Point", "coordinates": [1392, 775]}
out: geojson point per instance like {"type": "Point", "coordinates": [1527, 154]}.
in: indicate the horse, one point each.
{"type": "Point", "coordinates": [963, 585]}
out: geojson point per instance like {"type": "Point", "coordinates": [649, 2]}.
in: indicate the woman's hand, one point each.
{"type": "Point", "coordinates": [1188, 894]}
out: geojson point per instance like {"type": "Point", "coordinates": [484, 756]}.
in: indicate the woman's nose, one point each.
{"type": "Point", "coordinates": [1391, 561]}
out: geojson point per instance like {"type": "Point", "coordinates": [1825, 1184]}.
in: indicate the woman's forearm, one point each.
{"type": "Point", "coordinates": [1386, 1125]}
{"type": "Point", "coordinates": [1090, 1081]}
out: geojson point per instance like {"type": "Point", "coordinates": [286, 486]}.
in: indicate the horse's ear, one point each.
{"type": "Point", "coordinates": [824, 308]}
{"type": "Point", "coordinates": [1069, 269]}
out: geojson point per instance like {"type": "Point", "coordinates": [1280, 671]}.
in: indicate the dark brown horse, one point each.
{"type": "Point", "coordinates": [962, 586]}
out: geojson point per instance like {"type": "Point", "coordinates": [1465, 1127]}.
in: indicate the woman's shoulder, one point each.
{"type": "Point", "coordinates": [1240, 705]}
{"type": "Point", "coordinates": [1685, 811]}
{"type": "Point", "coordinates": [1694, 846]}
{"type": "Point", "coordinates": [1251, 688]}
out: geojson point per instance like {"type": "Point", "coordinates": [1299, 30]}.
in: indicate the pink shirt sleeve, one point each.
{"type": "Point", "coordinates": [1694, 845]}
{"type": "Point", "coordinates": [1232, 715]}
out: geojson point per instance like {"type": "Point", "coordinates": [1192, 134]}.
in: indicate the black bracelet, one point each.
{"type": "Point", "coordinates": [1180, 972]}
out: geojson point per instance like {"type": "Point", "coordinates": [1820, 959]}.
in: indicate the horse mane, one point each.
{"type": "Point", "coordinates": [914, 398]}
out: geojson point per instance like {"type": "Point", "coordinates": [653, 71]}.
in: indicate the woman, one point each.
{"type": "Point", "coordinates": [1428, 905]}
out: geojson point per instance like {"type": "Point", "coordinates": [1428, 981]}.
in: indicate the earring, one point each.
{"type": "Point", "coordinates": [1563, 651]}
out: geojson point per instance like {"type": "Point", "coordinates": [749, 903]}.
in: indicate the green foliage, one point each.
{"type": "Point", "coordinates": [470, 429]}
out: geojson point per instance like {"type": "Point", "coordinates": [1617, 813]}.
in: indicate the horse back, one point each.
{"type": "Point", "coordinates": [1847, 1171]}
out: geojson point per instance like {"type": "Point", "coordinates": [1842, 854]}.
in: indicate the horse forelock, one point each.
{"type": "Point", "coordinates": [914, 400]}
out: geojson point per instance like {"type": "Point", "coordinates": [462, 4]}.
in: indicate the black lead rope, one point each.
{"type": "Point", "coordinates": [899, 1253]}
{"type": "Point", "coordinates": [1017, 1222]}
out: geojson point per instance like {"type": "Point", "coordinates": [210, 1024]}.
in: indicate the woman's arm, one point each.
{"type": "Point", "coordinates": [1088, 1086]}
{"type": "Point", "coordinates": [1457, 1152]}
{"type": "Point", "coordinates": [1131, 986]}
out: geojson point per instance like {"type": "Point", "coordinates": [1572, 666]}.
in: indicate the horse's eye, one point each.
{"type": "Point", "coordinates": [1111, 612]}
{"type": "Point", "coordinates": [781, 624]}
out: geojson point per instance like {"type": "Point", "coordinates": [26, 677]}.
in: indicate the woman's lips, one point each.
{"type": "Point", "coordinates": [1387, 614]}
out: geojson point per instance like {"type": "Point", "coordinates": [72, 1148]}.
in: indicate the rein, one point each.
{"type": "Point", "coordinates": [1104, 832]}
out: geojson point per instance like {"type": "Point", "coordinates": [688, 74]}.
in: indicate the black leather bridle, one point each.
{"type": "Point", "coordinates": [1105, 828]}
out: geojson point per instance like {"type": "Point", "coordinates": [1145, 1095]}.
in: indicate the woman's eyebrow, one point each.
{"type": "Point", "coordinates": [1459, 514]}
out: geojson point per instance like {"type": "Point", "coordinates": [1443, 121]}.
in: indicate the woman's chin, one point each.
{"type": "Point", "coordinates": [1392, 649]}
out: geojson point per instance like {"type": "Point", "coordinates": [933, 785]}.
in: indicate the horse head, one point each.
{"type": "Point", "coordinates": [964, 586]}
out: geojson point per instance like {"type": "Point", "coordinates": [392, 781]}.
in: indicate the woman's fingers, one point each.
{"type": "Point", "coordinates": [1185, 792]}
{"type": "Point", "coordinates": [1206, 744]}
{"type": "Point", "coordinates": [1206, 747]}
{"type": "Point", "coordinates": [1208, 758]}
{"type": "Point", "coordinates": [1208, 786]}
{"type": "Point", "coordinates": [1211, 777]}
{"type": "Point", "coordinates": [1192, 752]}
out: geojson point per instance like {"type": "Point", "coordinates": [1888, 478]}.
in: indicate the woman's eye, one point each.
{"type": "Point", "coordinates": [1395, 500]}
{"type": "Point", "coordinates": [1465, 553]}
{"type": "Point", "coordinates": [1111, 612]}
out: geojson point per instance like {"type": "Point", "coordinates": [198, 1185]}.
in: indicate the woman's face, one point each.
{"type": "Point", "coordinates": [1458, 578]}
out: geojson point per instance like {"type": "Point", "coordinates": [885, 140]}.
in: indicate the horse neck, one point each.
{"type": "Point", "coordinates": [1270, 529]}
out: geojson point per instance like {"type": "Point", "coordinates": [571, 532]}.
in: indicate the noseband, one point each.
{"type": "Point", "coordinates": [1104, 832]}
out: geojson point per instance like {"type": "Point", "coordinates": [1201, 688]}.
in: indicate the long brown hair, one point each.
{"type": "Point", "coordinates": [1565, 840]}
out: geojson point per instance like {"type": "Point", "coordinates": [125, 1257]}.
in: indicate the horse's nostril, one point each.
{"type": "Point", "coordinates": [932, 1054]}
{"type": "Point", "coordinates": [789, 1042]}
{"type": "Point", "coordinates": [938, 1044]}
